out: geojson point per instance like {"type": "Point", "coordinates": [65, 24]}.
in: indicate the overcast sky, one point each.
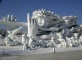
{"type": "Point", "coordinates": [20, 8]}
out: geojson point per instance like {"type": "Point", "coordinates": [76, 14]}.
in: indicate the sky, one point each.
{"type": "Point", "coordinates": [20, 8]}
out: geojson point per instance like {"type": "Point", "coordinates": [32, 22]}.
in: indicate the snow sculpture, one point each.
{"type": "Point", "coordinates": [76, 35]}
{"type": "Point", "coordinates": [32, 27]}
{"type": "Point", "coordinates": [72, 39]}
{"type": "Point", "coordinates": [80, 37]}
{"type": "Point", "coordinates": [45, 29]}
{"type": "Point", "coordinates": [43, 17]}
{"type": "Point", "coordinates": [11, 18]}
{"type": "Point", "coordinates": [68, 42]}
{"type": "Point", "coordinates": [1, 41]}
{"type": "Point", "coordinates": [65, 28]}
{"type": "Point", "coordinates": [0, 36]}
{"type": "Point", "coordinates": [9, 40]}
{"type": "Point", "coordinates": [63, 44]}
{"type": "Point", "coordinates": [14, 32]}
{"type": "Point", "coordinates": [30, 43]}
{"type": "Point", "coordinates": [25, 46]}
{"type": "Point", "coordinates": [24, 40]}
{"type": "Point", "coordinates": [32, 30]}
{"type": "Point", "coordinates": [52, 41]}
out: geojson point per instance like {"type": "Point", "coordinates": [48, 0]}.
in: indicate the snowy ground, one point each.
{"type": "Point", "coordinates": [70, 55]}
{"type": "Point", "coordinates": [17, 50]}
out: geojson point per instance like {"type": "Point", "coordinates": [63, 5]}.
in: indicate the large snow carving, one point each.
{"type": "Point", "coordinates": [46, 29]}
{"type": "Point", "coordinates": [64, 27]}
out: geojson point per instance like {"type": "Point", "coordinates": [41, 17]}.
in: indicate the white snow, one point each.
{"type": "Point", "coordinates": [17, 50]}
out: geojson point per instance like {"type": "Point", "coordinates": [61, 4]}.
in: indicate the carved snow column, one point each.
{"type": "Point", "coordinates": [29, 30]}
{"type": "Point", "coordinates": [12, 18]}
{"type": "Point", "coordinates": [29, 27]}
{"type": "Point", "coordinates": [8, 17]}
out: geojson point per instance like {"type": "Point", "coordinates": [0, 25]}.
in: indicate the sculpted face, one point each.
{"type": "Point", "coordinates": [40, 21]}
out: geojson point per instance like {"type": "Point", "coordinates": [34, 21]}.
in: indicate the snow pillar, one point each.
{"type": "Point", "coordinates": [29, 27]}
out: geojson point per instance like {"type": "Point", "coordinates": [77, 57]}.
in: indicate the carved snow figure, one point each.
{"type": "Point", "coordinates": [10, 37]}
{"type": "Point", "coordinates": [6, 41]}
{"type": "Point", "coordinates": [30, 42]}
{"type": "Point", "coordinates": [53, 41]}
{"type": "Point", "coordinates": [72, 39]}
{"type": "Point", "coordinates": [60, 37]}
{"type": "Point", "coordinates": [25, 46]}
{"type": "Point", "coordinates": [24, 40]}
{"type": "Point", "coordinates": [76, 35]}
{"type": "Point", "coordinates": [1, 41]}
{"type": "Point", "coordinates": [0, 36]}
{"type": "Point", "coordinates": [63, 44]}
{"type": "Point", "coordinates": [61, 40]}
{"type": "Point", "coordinates": [68, 42]}
{"type": "Point", "coordinates": [9, 42]}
